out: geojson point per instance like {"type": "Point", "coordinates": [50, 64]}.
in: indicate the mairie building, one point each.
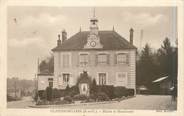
{"type": "Point", "coordinates": [105, 55]}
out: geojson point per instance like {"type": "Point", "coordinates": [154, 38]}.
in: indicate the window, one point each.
{"type": "Point", "coordinates": [83, 59]}
{"type": "Point", "coordinates": [122, 58]}
{"type": "Point", "coordinates": [102, 78]}
{"type": "Point", "coordinates": [102, 59]}
{"type": "Point", "coordinates": [66, 78]}
{"type": "Point", "coordinates": [50, 82]}
{"type": "Point", "coordinates": [65, 60]}
{"type": "Point", "coordinates": [121, 79]}
{"type": "Point", "coordinates": [60, 80]}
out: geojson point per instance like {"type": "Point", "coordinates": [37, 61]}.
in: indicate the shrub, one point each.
{"type": "Point", "coordinates": [119, 92]}
{"type": "Point", "coordinates": [83, 76]}
{"type": "Point", "coordinates": [67, 90]}
{"type": "Point", "coordinates": [62, 102]}
{"type": "Point", "coordinates": [130, 92]}
{"type": "Point", "coordinates": [56, 93]}
{"type": "Point", "coordinates": [61, 92]}
{"type": "Point", "coordinates": [113, 92]}
{"type": "Point", "coordinates": [42, 94]}
{"type": "Point", "coordinates": [68, 98]}
{"type": "Point", "coordinates": [35, 97]}
{"type": "Point", "coordinates": [90, 100]}
{"type": "Point", "coordinates": [107, 89]}
{"type": "Point", "coordinates": [71, 91]}
{"type": "Point", "coordinates": [93, 87]}
{"type": "Point", "coordinates": [42, 102]}
{"type": "Point", "coordinates": [93, 96]}
{"type": "Point", "coordinates": [49, 93]}
{"type": "Point", "coordinates": [74, 90]}
{"type": "Point", "coordinates": [101, 96]}
{"type": "Point", "coordinates": [80, 97]}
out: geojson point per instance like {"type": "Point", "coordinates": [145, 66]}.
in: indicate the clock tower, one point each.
{"type": "Point", "coordinates": [93, 39]}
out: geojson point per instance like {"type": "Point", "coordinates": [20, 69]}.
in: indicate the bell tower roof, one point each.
{"type": "Point", "coordinates": [93, 20]}
{"type": "Point", "coordinates": [93, 25]}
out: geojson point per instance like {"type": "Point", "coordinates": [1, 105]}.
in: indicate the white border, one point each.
{"type": "Point", "coordinates": [3, 50]}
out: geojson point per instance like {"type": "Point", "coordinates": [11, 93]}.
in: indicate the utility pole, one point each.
{"type": "Point", "coordinates": [141, 38]}
{"type": "Point", "coordinates": [15, 86]}
{"type": "Point", "coordinates": [36, 80]}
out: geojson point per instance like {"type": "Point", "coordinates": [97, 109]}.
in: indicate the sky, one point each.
{"type": "Point", "coordinates": [33, 30]}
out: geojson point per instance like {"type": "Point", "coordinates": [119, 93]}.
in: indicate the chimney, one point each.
{"type": "Point", "coordinates": [131, 36]}
{"type": "Point", "coordinates": [59, 41]}
{"type": "Point", "coordinates": [64, 35]}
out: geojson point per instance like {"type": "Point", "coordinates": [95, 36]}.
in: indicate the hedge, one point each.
{"type": "Point", "coordinates": [102, 96]}
{"type": "Point", "coordinates": [74, 90]}
{"type": "Point", "coordinates": [130, 92]}
{"type": "Point", "coordinates": [56, 93]}
{"type": "Point", "coordinates": [107, 89]}
{"type": "Point", "coordinates": [119, 92]}
{"type": "Point", "coordinates": [42, 94]}
{"type": "Point", "coordinates": [80, 97]}
{"type": "Point", "coordinates": [68, 99]}
{"type": "Point", "coordinates": [115, 92]}
{"type": "Point", "coordinates": [102, 92]}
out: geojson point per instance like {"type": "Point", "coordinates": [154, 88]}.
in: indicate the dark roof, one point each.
{"type": "Point", "coordinates": [110, 40]}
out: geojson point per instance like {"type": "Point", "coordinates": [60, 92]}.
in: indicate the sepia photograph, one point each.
{"type": "Point", "coordinates": [92, 57]}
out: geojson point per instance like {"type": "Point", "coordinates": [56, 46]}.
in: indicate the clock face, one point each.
{"type": "Point", "coordinates": [93, 44]}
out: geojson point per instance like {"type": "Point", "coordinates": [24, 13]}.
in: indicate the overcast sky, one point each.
{"type": "Point", "coordinates": [32, 31]}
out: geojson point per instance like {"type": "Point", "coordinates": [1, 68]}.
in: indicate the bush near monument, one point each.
{"type": "Point", "coordinates": [71, 94]}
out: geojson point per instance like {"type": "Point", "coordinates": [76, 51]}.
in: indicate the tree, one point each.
{"type": "Point", "coordinates": [49, 93]}
{"type": "Point", "coordinates": [47, 65]}
{"type": "Point", "coordinates": [146, 68]}
{"type": "Point", "coordinates": [168, 60]}
{"type": "Point", "coordinates": [84, 77]}
{"type": "Point", "coordinates": [151, 66]}
{"type": "Point", "coordinates": [93, 89]}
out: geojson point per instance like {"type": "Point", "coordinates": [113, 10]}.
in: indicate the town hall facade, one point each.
{"type": "Point", "coordinates": [106, 56]}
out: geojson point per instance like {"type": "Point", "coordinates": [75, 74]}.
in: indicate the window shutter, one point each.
{"type": "Point", "coordinates": [115, 59]}
{"type": "Point", "coordinates": [108, 58]}
{"type": "Point", "coordinates": [127, 59]}
{"type": "Point", "coordinates": [64, 61]}
{"type": "Point", "coordinates": [78, 58]}
{"type": "Point", "coordinates": [88, 60]}
{"type": "Point", "coordinates": [68, 79]}
{"type": "Point", "coordinates": [96, 59]}
{"type": "Point", "coordinates": [68, 60]}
